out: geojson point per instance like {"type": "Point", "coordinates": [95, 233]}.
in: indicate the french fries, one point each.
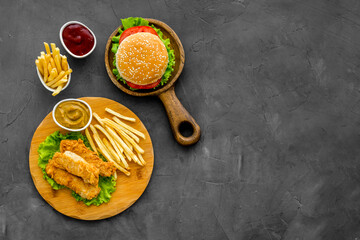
{"type": "Point", "coordinates": [39, 66]}
{"type": "Point", "coordinates": [127, 131]}
{"type": "Point", "coordinates": [92, 144]}
{"type": "Point", "coordinates": [47, 48]}
{"type": "Point", "coordinates": [125, 146]}
{"type": "Point", "coordinates": [53, 68]}
{"type": "Point", "coordinates": [103, 150]}
{"type": "Point", "coordinates": [140, 134]}
{"type": "Point", "coordinates": [120, 142]}
{"type": "Point", "coordinates": [119, 157]}
{"type": "Point", "coordinates": [64, 63]}
{"type": "Point", "coordinates": [96, 116]}
{"type": "Point", "coordinates": [58, 89]}
{"type": "Point", "coordinates": [114, 146]}
{"type": "Point", "coordinates": [119, 115]}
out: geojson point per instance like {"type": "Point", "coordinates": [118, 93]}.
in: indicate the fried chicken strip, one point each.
{"type": "Point", "coordinates": [106, 168]}
{"type": "Point", "coordinates": [62, 177]}
{"type": "Point", "coordinates": [77, 166]}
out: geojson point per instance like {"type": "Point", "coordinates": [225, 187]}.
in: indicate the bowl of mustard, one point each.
{"type": "Point", "coordinates": [72, 114]}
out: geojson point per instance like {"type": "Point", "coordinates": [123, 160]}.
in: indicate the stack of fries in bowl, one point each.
{"type": "Point", "coordinates": [53, 69]}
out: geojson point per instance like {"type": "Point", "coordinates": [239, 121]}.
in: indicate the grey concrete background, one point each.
{"type": "Point", "coordinates": [274, 86]}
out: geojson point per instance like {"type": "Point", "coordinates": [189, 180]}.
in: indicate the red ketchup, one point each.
{"type": "Point", "coordinates": [78, 39]}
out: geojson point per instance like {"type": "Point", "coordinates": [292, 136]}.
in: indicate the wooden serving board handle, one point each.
{"type": "Point", "coordinates": [177, 115]}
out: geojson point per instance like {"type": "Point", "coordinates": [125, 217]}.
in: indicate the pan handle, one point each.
{"type": "Point", "coordinates": [178, 116]}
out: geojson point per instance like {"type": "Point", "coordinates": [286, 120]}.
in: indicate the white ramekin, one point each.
{"type": "Point", "coordinates": [62, 41]}
{"type": "Point", "coordinates": [69, 129]}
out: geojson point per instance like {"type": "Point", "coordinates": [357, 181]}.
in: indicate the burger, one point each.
{"type": "Point", "coordinates": [143, 58]}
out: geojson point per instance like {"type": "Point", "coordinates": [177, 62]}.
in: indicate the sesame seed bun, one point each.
{"type": "Point", "coordinates": [142, 58]}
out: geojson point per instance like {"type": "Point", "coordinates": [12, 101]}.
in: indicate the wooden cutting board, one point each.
{"type": "Point", "coordinates": [128, 189]}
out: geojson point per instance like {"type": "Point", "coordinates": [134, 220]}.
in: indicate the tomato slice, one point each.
{"type": "Point", "coordinates": [137, 29]}
{"type": "Point", "coordinates": [148, 86]}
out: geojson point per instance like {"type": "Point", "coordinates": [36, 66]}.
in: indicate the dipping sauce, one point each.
{"type": "Point", "coordinates": [78, 39]}
{"type": "Point", "coordinates": [72, 114]}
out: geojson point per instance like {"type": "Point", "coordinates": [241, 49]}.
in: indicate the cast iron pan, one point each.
{"type": "Point", "coordinates": [177, 114]}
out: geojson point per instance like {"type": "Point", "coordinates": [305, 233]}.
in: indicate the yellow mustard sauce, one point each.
{"type": "Point", "coordinates": [72, 114]}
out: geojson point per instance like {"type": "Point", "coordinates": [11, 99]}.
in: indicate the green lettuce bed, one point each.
{"type": "Point", "coordinates": [137, 21]}
{"type": "Point", "coordinates": [51, 145]}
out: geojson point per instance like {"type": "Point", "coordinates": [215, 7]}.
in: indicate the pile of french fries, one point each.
{"type": "Point", "coordinates": [53, 67]}
{"type": "Point", "coordinates": [120, 143]}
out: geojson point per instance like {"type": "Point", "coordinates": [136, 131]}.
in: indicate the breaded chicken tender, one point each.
{"type": "Point", "coordinates": [62, 177]}
{"type": "Point", "coordinates": [77, 166]}
{"type": "Point", "coordinates": [77, 146]}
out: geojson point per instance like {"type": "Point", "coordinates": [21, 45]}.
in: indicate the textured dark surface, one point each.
{"type": "Point", "coordinates": [274, 86]}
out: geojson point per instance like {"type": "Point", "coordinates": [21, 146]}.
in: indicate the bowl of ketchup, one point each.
{"type": "Point", "coordinates": [78, 40]}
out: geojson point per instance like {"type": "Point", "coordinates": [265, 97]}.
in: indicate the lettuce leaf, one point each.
{"type": "Point", "coordinates": [134, 21]}
{"type": "Point", "coordinates": [51, 145]}
{"type": "Point", "coordinates": [137, 21]}
{"type": "Point", "coordinates": [107, 185]}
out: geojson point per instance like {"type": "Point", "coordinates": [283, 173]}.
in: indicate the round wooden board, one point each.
{"type": "Point", "coordinates": [128, 189]}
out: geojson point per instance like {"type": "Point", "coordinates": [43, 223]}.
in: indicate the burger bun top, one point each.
{"type": "Point", "coordinates": [142, 58]}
